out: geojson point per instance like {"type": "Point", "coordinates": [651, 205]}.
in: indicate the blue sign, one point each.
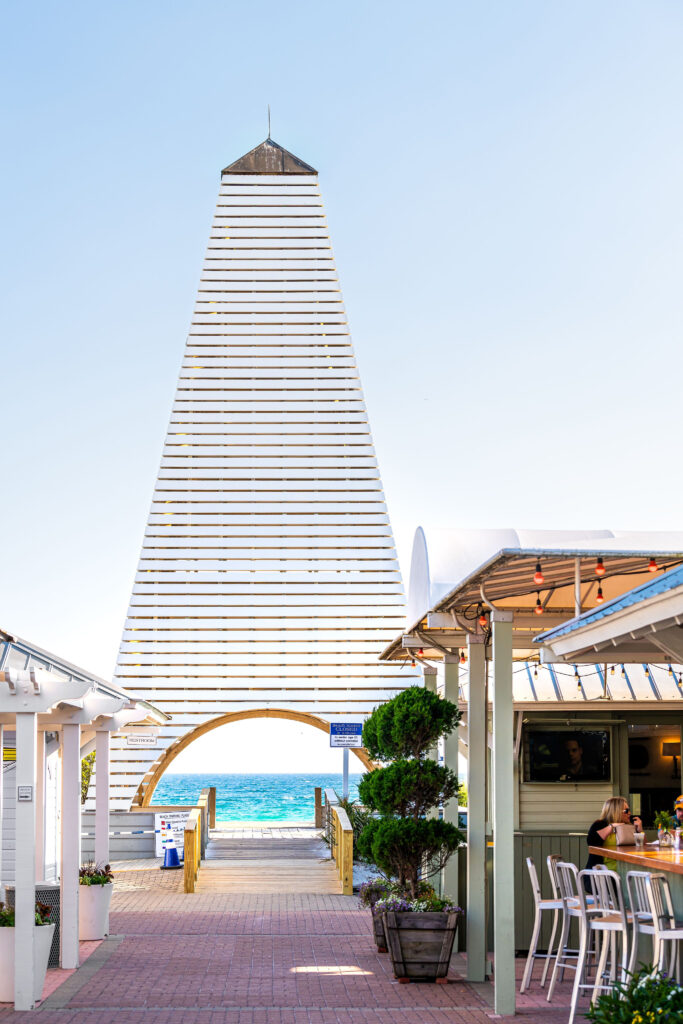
{"type": "Point", "coordinates": [346, 734]}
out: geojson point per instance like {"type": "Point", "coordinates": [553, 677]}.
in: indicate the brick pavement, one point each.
{"type": "Point", "coordinates": [242, 959]}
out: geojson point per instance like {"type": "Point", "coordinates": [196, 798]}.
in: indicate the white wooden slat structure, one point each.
{"type": "Point", "coordinates": [268, 580]}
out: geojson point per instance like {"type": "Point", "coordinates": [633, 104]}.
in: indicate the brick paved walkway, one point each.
{"type": "Point", "coordinates": [248, 959]}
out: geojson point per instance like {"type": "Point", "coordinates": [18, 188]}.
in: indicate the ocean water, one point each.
{"type": "Point", "coordinates": [253, 797]}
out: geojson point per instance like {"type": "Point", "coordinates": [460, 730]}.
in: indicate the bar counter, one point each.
{"type": "Point", "coordinates": [652, 859]}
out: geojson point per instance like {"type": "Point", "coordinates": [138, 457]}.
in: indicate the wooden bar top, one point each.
{"type": "Point", "coordinates": [650, 858]}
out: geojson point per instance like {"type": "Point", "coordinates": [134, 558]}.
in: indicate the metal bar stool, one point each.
{"type": "Point", "coordinates": [611, 923]}
{"type": "Point", "coordinates": [555, 905]}
{"type": "Point", "coordinates": [666, 928]}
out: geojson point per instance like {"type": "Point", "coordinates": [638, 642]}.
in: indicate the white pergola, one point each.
{"type": "Point", "coordinates": [83, 711]}
{"type": "Point", "coordinates": [486, 592]}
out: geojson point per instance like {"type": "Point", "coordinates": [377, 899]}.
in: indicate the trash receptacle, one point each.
{"type": "Point", "coordinates": [47, 893]}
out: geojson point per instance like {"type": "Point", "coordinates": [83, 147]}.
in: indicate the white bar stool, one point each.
{"type": "Point", "coordinates": [555, 905]}
{"type": "Point", "coordinates": [666, 928]}
{"type": "Point", "coordinates": [610, 923]}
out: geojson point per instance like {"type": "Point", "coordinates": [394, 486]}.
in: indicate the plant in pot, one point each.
{"type": "Point", "coordinates": [43, 930]}
{"type": "Point", "coordinates": [401, 840]}
{"type": "Point", "coordinates": [96, 884]}
{"type": "Point", "coordinates": [664, 823]}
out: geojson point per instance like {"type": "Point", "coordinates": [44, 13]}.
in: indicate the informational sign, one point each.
{"type": "Point", "coordinates": [25, 794]}
{"type": "Point", "coordinates": [346, 734]}
{"type": "Point", "coordinates": [169, 831]}
{"type": "Point", "coordinates": [145, 739]}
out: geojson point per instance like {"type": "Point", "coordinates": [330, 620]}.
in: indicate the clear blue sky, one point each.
{"type": "Point", "coordinates": [503, 186]}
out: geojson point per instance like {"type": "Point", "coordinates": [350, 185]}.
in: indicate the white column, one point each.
{"type": "Point", "coordinates": [102, 796]}
{"type": "Point", "coordinates": [449, 875]}
{"type": "Point", "coordinates": [71, 843]}
{"type": "Point", "coordinates": [476, 810]}
{"type": "Point", "coordinates": [25, 866]}
{"type": "Point", "coordinates": [429, 676]}
{"type": "Point", "coordinates": [40, 806]}
{"type": "Point", "coordinates": [503, 816]}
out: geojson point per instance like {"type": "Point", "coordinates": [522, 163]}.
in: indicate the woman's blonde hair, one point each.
{"type": "Point", "coordinates": [613, 809]}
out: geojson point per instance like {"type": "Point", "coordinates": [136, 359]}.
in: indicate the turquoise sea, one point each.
{"type": "Point", "coordinates": [253, 797]}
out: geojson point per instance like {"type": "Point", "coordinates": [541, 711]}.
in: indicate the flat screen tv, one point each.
{"type": "Point", "coordinates": [567, 755]}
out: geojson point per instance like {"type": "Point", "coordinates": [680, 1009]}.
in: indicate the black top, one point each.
{"type": "Point", "coordinates": [593, 839]}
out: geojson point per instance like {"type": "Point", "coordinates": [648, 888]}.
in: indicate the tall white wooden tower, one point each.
{"type": "Point", "coordinates": [268, 580]}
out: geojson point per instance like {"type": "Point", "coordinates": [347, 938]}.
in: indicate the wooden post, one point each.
{"type": "Point", "coordinates": [190, 852]}
{"type": "Point", "coordinates": [318, 807]}
{"type": "Point", "coordinates": [71, 844]}
{"type": "Point", "coordinates": [25, 871]}
{"type": "Point", "coordinates": [102, 796]}
{"type": "Point", "coordinates": [212, 806]}
{"type": "Point", "coordinates": [40, 805]}
{"type": "Point", "coordinates": [476, 811]}
{"type": "Point", "coordinates": [503, 812]}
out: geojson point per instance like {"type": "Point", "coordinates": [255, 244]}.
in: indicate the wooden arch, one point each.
{"type": "Point", "coordinates": [143, 797]}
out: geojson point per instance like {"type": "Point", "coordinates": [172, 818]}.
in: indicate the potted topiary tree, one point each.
{"type": "Point", "coordinates": [401, 840]}
{"type": "Point", "coordinates": [96, 884]}
{"type": "Point", "coordinates": [44, 930]}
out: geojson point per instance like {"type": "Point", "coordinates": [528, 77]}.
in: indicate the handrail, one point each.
{"type": "Point", "coordinates": [193, 847]}
{"type": "Point", "coordinates": [201, 818]}
{"type": "Point", "coordinates": [342, 846]}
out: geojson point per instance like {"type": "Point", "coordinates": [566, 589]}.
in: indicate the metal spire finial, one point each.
{"type": "Point", "coordinates": [269, 120]}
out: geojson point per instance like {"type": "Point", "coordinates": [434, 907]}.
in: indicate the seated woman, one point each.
{"type": "Point", "coordinates": [614, 811]}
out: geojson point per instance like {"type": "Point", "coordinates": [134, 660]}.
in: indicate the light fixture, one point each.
{"type": "Point", "coordinates": [652, 567]}
{"type": "Point", "coordinates": [413, 664]}
{"type": "Point", "coordinates": [535, 671]}
{"type": "Point", "coordinates": [539, 578]}
{"type": "Point", "coordinates": [420, 653]}
{"type": "Point", "coordinates": [463, 659]}
{"type": "Point", "coordinates": [672, 749]}
{"type": "Point", "coordinates": [599, 597]}
{"type": "Point", "coordinates": [539, 607]}
{"type": "Point", "coordinates": [600, 568]}
{"type": "Point", "coordinates": [623, 672]}
{"type": "Point", "coordinates": [611, 671]}
{"type": "Point", "coordinates": [483, 620]}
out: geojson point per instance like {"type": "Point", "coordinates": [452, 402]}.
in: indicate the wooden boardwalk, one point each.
{"type": "Point", "coordinates": [269, 861]}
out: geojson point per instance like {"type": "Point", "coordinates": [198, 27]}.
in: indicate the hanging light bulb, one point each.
{"type": "Point", "coordinates": [652, 567]}
{"type": "Point", "coordinates": [671, 671]}
{"type": "Point", "coordinates": [420, 653]}
{"type": "Point", "coordinates": [599, 597]}
{"type": "Point", "coordinates": [483, 620]}
{"type": "Point", "coordinates": [463, 659]}
{"type": "Point", "coordinates": [600, 568]}
{"type": "Point", "coordinates": [535, 671]}
{"type": "Point", "coordinates": [539, 607]}
{"type": "Point", "coordinates": [413, 664]}
{"type": "Point", "coordinates": [623, 672]}
{"type": "Point", "coordinates": [539, 578]}
{"type": "Point", "coordinates": [611, 671]}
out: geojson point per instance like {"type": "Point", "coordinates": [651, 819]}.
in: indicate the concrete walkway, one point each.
{"type": "Point", "coordinates": [254, 959]}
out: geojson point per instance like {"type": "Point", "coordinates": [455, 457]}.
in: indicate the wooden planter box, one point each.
{"type": "Point", "coordinates": [378, 931]}
{"type": "Point", "coordinates": [420, 944]}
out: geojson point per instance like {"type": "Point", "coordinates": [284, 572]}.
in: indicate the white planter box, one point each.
{"type": "Point", "coordinates": [93, 910]}
{"type": "Point", "coordinates": [43, 934]}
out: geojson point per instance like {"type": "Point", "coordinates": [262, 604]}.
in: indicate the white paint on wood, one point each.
{"type": "Point", "coordinates": [25, 866]}
{"type": "Point", "coordinates": [71, 844]}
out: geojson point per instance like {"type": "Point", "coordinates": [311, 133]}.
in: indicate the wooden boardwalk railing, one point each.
{"type": "Point", "coordinates": [196, 836]}
{"type": "Point", "coordinates": [340, 837]}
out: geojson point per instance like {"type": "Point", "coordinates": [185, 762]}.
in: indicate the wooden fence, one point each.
{"type": "Point", "coordinates": [200, 819]}
{"type": "Point", "coordinates": [339, 832]}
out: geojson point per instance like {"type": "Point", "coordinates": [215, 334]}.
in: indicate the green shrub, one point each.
{"type": "Point", "coordinates": [403, 843]}
{"type": "Point", "coordinates": [647, 998]}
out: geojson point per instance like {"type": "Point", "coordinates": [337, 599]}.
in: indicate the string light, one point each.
{"type": "Point", "coordinates": [539, 578]}
{"type": "Point", "coordinates": [483, 620]}
{"type": "Point", "coordinates": [413, 664]}
{"type": "Point", "coordinates": [652, 567]}
{"type": "Point", "coordinates": [600, 568]}
{"type": "Point", "coordinates": [623, 672]}
{"type": "Point", "coordinates": [539, 607]}
{"type": "Point", "coordinates": [420, 653]}
{"type": "Point", "coordinates": [463, 659]}
{"type": "Point", "coordinates": [535, 671]}
{"type": "Point", "coordinates": [611, 671]}
{"type": "Point", "coordinates": [599, 597]}
{"type": "Point", "coordinates": [577, 677]}
{"type": "Point", "coordinates": [671, 671]}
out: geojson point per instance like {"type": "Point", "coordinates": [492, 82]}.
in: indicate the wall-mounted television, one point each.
{"type": "Point", "coordinates": [567, 755]}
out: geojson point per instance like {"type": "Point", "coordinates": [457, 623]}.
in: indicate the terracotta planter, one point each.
{"type": "Point", "coordinates": [93, 910]}
{"type": "Point", "coordinates": [43, 934]}
{"type": "Point", "coordinates": [378, 931]}
{"type": "Point", "coordinates": [420, 944]}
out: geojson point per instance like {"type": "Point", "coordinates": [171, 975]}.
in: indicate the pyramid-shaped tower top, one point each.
{"type": "Point", "coordinates": [269, 158]}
